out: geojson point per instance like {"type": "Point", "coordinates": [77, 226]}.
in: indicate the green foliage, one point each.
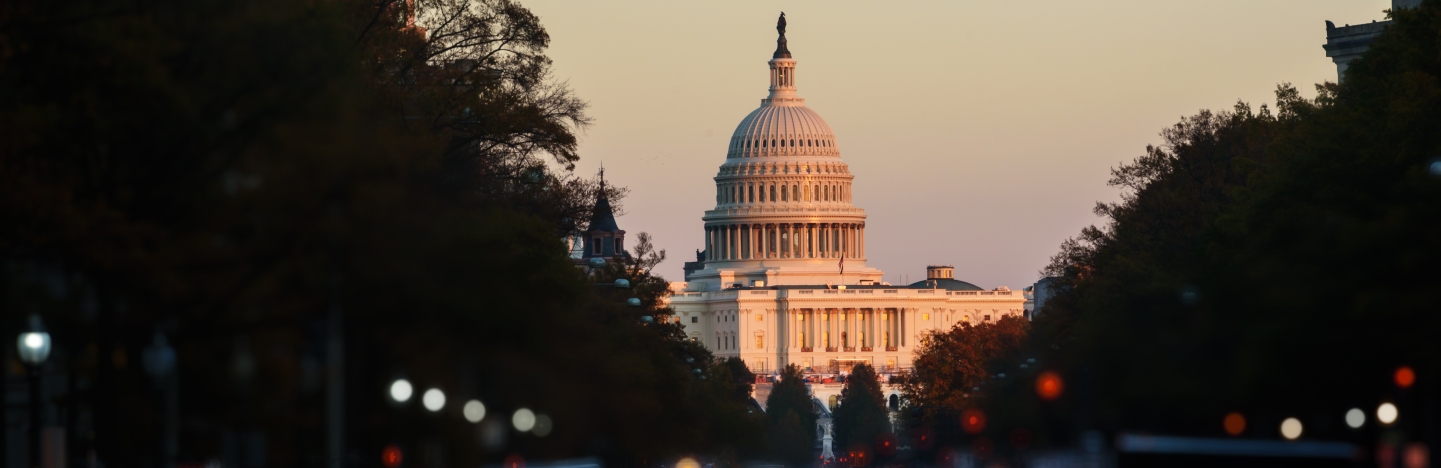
{"type": "Point", "coordinates": [1270, 264]}
{"type": "Point", "coordinates": [861, 417]}
{"type": "Point", "coordinates": [791, 419]}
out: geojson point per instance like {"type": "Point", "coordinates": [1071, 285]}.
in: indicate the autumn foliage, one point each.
{"type": "Point", "coordinates": [949, 365]}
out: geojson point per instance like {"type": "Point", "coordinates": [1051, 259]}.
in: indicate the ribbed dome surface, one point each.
{"type": "Point", "coordinates": [782, 130]}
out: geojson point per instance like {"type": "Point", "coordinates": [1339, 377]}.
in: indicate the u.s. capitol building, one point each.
{"type": "Point", "coordinates": [783, 278]}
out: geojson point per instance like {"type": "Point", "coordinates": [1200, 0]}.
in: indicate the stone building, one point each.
{"type": "Point", "coordinates": [783, 277]}
{"type": "Point", "coordinates": [1350, 42]}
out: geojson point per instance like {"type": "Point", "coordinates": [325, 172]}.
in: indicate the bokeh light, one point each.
{"type": "Point", "coordinates": [1405, 377]}
{"type": "Point", "coordinates": [973, 421]}
{"type": "Point", "coordinates": [687, 462]}
{"type": "Point", "coordinates": [542, 426]}
{"type": "Point", "coordinates": [1234, 423]}
{"type": "Point", "coordinates": [434, 399]}
{"type": "Point", "coordinates": [513, 461]}
{"type": "Point", "coordinates": [982, 448]}
{"type": "Point", "coordinates": [1020, 438]}
{"type": "Point", "coordinates": [1387, 413]}
{"type": "Point", "coordinates": [523, 420]}
{"type": "Point", "coordinates": [400, 390]}
{"type": "Point", "coordinates": [473, 410]}
{"type": "Point", "coordinates": [1355, 418]}
{"type": "Point", "coordinates": [1291, 428]}
{"type": "Point", "coordinates": [1048, 385]}
{"type": "Point", "coordinates": [391, 457]}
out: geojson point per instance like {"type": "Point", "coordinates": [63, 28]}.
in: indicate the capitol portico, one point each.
{"type": "Point", "coordinates": [783, 277]}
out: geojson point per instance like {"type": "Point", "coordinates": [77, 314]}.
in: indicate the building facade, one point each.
{"type": "Point", "coordinates": [1350, 42]}
{"type": "Point", "coordinates": [783, 277]}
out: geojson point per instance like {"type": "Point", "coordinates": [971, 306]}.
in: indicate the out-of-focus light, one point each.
{"type": "Point", "coordinates": [400, 390]}
{"type": "Point", "coordinates": [391, 457]}
{"type": "Point", "coordinates": [543, 425]}
{"type": "Point", "coordinates": [1291, 428]}
{"type": "Point", "coordinates": [1234, 423]}
{"type": "Point", "coordinates": [1405, 377]}
{"type": "Point", "coordinates": [1048, 385]}
{"type": "Point", "coordinates": [473, 410]}
{"type": "Point", "coordinates": [633, 302]}
{"type": "Point", "coordinates": [1415, 455]}
{"type": "Point", "coordinates": [434, 399]}
{"type": "Point", "coordinates": [513, 461]}
{"type": "Point", "coordinates": [33, 345]}
{"type": "Point", "coordinates": [1387, 413]}
{"type": "Point", "coordinates": [1436, 168]}
{"type": "Point", "coordinates": [1355, 418]}
{"type": "Point", "coordinates": [687, 463]}
{"type": "Point", "coordinates": [622, 283]}
{"type": "Point", "coordinates": [523, 420]}
{"type": "Point", "coordinates": [973, 421]}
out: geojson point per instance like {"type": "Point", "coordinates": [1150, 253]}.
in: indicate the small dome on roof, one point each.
{"type": "Point", "coordinates": [948, 284]}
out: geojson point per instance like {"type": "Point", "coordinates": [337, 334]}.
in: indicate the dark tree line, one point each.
{"type": "Point", "coordinates": [1275, 261]}
{"type": "Point", "coordinates": [235, 176]}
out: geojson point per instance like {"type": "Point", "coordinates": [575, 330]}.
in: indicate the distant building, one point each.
{"type": "Point", "coordinates": [783, 277]}
{"type": "Point", "coordinates": [603, 238]}
{"type": "Point", "coordinates": [1347, 43]}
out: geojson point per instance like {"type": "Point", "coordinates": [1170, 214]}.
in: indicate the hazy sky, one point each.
{"type": "Point", "coordinates": [980, 132]}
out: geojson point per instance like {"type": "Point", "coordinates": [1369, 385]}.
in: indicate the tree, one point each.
{"type": "Point", "coordinates": [791, 418]}
{"type": "Point", "coordinates": [1250, 245]}
{"type": "Point", "coordinates": [230, 173]}
{"type": "Point", "coordinates": [861, 418]}
{"type": "Point", "coordinates": [950, 365]}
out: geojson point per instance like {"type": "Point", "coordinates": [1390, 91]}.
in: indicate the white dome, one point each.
{"type": "Point", "coordinates": [782, 130]}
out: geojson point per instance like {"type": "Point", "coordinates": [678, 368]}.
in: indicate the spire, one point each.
{"type": "Point", "coordinates": [602, 218]}
{"type": "Point", "coordinates": [783, 71]}
{"type": "Point", "coordinates": [781, 50]}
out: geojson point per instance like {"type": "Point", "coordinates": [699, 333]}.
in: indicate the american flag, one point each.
{"type": "Point", "coordinates": [843, 264]}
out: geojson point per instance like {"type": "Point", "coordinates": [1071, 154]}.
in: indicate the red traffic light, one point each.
{"type": "Point", "coordinates": [391, 457]}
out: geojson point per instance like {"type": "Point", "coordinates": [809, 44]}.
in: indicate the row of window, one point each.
{"type": "Point", "coordinates": [754, 169]}
{"type": "Point", "coordinates": [747, 193]}
{"type": "Point", "coordinates": [782, 143]}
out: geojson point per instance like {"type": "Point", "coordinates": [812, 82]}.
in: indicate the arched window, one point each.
{"type": "Point", "coordinates": [783, 194]}
{"type": "Point", "coordinates": [795, 193]}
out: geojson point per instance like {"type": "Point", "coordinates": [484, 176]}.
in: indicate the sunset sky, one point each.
{"type": "Point", "coordinates": [980, 133]}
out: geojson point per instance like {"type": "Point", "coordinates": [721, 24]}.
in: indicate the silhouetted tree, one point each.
{"type": "Point", "coordinates": [791, 418]}
{"type": "Point", "coordinates": [861, 418]}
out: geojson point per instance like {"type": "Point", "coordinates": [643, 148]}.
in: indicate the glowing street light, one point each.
{"type": "Point", "coordinates": [1355, 418]}
{"type": "Point", "coordinates": [1291, 428]}
{"type": "Point", "coordinates": [1387, 413]}
{"type": "Point", "coordinates": [34, 347]}
{"type": "Point", "coordinates": [34, 344]}
{"type": "Point", "coordinates": [473, 410]}
{"type": "Point", "coordinates": [400, 390]}
{"type": "Point", "coordinates": [523, 420]}
{"type": "Point", "coordinates": [434, 399]}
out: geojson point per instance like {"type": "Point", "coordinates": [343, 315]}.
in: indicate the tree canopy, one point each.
{"type": "Point", "coordinates": [861, 419]}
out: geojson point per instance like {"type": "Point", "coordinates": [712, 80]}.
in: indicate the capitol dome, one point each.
{"type": "Point", "coordinates": [782, 129]}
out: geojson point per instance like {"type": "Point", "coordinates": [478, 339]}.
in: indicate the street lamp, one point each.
{"type": "Point", "coordinates": [158, 359]}
{"type": "Point", "coordinates": [400, 391]}
{"type": "Point", "coordinates": [33, 346]}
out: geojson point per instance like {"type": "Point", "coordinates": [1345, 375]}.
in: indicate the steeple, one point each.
{"type": "Point", "coordinates": [781, 50]}
{"type": "Point", "coordinates": [603, 238]}
{"type": "Point", "coordinates": [783, 70]}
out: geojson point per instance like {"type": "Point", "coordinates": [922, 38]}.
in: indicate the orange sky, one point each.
{"type": "Point", "coordinates": [980, 133]}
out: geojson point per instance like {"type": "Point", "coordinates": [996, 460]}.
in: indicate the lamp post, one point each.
{"type": "Point", "coordinates": [159, 361]}
{"type": "Point", "coordinates": [34, 347]}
